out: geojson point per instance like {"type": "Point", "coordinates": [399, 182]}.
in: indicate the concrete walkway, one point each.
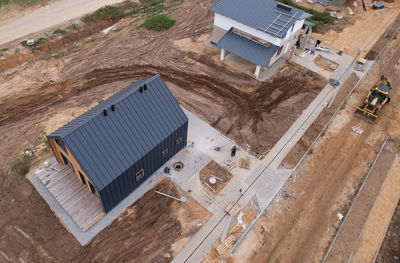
{"type": "Point", "coordinates": [265, 182]}
{"type": "Point", "coordinates": [49, 16]}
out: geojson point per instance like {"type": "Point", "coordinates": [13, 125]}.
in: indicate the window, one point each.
{"type": "Point", "coordinates": [139, 175]}
{"type": "Point", "coordinates": [179, 140]}
{"type": "Point", "coordinates": [165, 152]}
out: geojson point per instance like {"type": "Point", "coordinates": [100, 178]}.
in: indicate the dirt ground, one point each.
{"type": "Point", "coordinates": [390, 249]}
{"type": "Point", "coordinates": [300, 229]}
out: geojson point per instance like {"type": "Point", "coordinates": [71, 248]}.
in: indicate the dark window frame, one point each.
{"type": "Point", "coordinates": [139, 175]}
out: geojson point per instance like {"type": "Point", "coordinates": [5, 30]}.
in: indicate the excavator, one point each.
{"type": "Point", "coordinates": [376, 98]}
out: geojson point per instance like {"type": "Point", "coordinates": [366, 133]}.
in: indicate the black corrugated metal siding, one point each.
{"type": "Point", "coordinates": [122, 186]}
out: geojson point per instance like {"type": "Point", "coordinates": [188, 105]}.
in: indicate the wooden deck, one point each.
{"type": "Point", "coordinates": [84, 207]}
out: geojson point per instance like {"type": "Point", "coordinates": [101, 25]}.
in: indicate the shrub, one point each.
{"type": "Point", "coordinates": [60, 31]}
{"type": "Point", "coordinates": [158, 23]}
{"type": "Point", "coordinates": [3, 49]}
{"type": "Point", "coordinates": [73, 27]}
{"type": "Point", "coordinates": [103, 13]}
{"type": "Point", "coordinates": [21, 166]}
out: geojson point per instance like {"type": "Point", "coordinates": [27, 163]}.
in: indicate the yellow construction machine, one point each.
{"type": "Point", "coordinates": [376, 98]}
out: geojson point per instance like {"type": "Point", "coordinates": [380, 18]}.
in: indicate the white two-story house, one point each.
{"type": "Point", "coordinates": [259, 31]}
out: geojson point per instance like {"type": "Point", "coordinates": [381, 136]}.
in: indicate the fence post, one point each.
{"type": "Point", "coordinates": [63, 41]}
{"type": "Point", "coordinates": [76, 36]}
{"type": "Point", "coordinates": [16, 55]}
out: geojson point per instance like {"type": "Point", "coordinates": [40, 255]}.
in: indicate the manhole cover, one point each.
{"type": "Point", "coordinates": [178, 166]}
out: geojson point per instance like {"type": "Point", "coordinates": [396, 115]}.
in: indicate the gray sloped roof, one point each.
{"type": "Point", "coordinates": [106, 146]}
{"type": "Point", "coordinates": [260, 14]}
{"type": "Point", "coordinates": [247, 49]}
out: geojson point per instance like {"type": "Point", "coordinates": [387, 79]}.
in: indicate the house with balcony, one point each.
{"type": "Point", "coordinates": [259, 31]}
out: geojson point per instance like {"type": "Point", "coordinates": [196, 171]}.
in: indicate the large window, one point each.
{"type": "Point", "coordinates": [139, 175]}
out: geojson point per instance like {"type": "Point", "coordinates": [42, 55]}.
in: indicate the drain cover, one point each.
{"type": "Point", "coordinates": [178, 166]}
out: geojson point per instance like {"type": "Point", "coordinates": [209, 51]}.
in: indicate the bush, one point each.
{"type": "Point", "coordinates": [73, 27]}
{"type": "Point", "coordinates": [60, 31]}
{"type": "Point", "coordinates": [3, 49]}
{"type": "Point", "coordinates": [158, 23]}
{"type": "Point", "coordinates": [103, 13]}
{"type": "Point", "coordinates": [21, 166]}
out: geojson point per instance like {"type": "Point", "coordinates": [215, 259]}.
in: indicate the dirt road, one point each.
{"type": "Point", "coordinates": [300, 229]}
{"type": "Point", "coordinates": [49, 16]}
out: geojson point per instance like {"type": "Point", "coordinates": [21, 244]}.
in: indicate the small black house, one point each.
{"type": "Point", "coordinates": [118, 144]}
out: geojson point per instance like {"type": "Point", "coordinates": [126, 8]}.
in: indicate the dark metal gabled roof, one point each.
{"type": "Point", "coordinates": [106, 146]}
{"type": "Point", "coordinates": [263, 15]}
{"type": "Point", "coordinates": [247, 49]}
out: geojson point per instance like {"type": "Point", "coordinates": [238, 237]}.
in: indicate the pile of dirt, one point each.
{"type": "Point", "coordinates": [390, 249]}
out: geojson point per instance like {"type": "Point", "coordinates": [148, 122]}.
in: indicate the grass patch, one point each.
{"type": "Point", "coordinates": [21, 165]}
{"type": "Point", "coordinates": [158, 23]}
{"type": "Point", "coordinates": [318, 18]}
{"type": "Point", "coordinates": [73, 27]}
{"type": "Point", "coordinates": [103, 13]}
{"type": "Point", "coordinates": [3, 49]}
{"type": "Point", "coordinates": [60, 31]}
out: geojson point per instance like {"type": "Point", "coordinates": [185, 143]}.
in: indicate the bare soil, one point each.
{"type": "Point", "coordinates": [390, 249]}
{"type": "Point", "coordinates": [213, 169]}
{"type": "Point", "coordinates": [381, 42]}
{"type": "Point", "coordinates": [346, 241]}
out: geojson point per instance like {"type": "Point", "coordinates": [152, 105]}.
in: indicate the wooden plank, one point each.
{"type": "Point", "coordinates": [84, 207]}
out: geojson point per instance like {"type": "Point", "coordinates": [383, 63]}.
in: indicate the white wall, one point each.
{"type": "Point", "coordinates": [226, 23]}
{"type": "Point", "coordinates": [297, 26]}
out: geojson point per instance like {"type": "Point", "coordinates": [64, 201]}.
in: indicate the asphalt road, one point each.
{"type": "Point", "coordinates": [49, 16]}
